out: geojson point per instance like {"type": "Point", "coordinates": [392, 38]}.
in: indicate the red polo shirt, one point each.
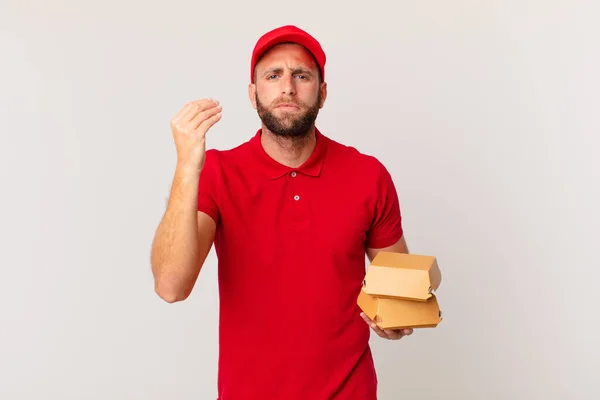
{"type": "Point", "coordinates": [291, 246]}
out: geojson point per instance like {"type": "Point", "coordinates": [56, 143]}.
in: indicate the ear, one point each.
{"type": "Point", "coordinates": [252, 94]}
{"type": "Point", "coordinates": [323, 90]}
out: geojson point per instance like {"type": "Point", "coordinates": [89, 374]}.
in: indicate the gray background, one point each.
{"type": "Point", "coordinates": [485, 112]}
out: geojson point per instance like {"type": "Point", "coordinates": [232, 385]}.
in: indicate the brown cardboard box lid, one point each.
{"type": "Point", "coordinates": [402, 276]}
{"type": "Point", "coordinates": [400, 314]}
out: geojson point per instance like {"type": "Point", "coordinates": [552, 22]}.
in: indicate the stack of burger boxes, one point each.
{"type": "Point", "coordinates": [398, 291]}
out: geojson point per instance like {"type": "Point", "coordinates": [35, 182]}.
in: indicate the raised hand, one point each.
{"type": "Point", "coordinates": [189, 128]}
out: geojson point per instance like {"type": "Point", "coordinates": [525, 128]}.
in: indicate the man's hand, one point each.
{"type": "Point", "coordinates": [391, 334]}
{"type": "Point", "coordinates": [189, 128]}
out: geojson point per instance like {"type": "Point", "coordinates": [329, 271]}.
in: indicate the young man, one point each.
{"type": "Point", "coordinates": [292, 215]}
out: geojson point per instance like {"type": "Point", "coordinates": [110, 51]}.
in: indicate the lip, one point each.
{"type": "Point", "coordinates": [287, 105]}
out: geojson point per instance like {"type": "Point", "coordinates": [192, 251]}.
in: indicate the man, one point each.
{"type": "Point", "coordinates": [292, 214]}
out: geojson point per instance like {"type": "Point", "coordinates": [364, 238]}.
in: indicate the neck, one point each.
{"type": "Point", "coordinates": [291, 152]}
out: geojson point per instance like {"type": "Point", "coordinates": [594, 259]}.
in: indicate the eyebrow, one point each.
{"type": "Point", "coordinates": [297, 70]}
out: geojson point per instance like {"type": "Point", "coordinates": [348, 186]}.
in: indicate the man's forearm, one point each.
{"type": "Point", "coordinates": [175, 247]}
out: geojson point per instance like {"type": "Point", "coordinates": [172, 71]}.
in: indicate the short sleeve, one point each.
{"type": "Point", "coordinates": [208, 186]}
{"type": "Point", "coordinates": [386, 228]}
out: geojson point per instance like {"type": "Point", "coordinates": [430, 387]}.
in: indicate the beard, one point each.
{"type": "Point", "coordinates": [289, 125]}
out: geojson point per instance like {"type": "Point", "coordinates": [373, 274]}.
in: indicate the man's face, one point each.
{"type": "Point", "coordinates": [287, 93]}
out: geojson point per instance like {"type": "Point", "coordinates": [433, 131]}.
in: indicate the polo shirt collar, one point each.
{"type": "Point", "coordinates": [273, 169]}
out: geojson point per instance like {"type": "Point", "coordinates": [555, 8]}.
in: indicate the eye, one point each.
{"type": "Point", "coordinates": [273, 76]}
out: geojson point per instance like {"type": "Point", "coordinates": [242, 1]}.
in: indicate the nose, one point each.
{"type": "Point", "coordinates": [288, 85]}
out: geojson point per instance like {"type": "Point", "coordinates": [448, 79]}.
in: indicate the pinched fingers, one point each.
{"type": "Point", "coordinates": [194, 113]}
{"type": "Point", "coordinates": [206, 117]}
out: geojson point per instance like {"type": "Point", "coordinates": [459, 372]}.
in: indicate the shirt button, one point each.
{"type": "Point", "coordinates": [296, 197]}
{"type": "Point", "coordinates": [294, 174]}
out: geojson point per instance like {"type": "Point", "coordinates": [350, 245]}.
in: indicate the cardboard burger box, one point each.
{"type": "Point", "coordinates": [398, 291]}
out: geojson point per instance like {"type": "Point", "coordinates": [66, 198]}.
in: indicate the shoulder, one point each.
{"type": "Point", "coordinates": [217, 158]}
{"type": "Point", "coordinates": [352, 158]}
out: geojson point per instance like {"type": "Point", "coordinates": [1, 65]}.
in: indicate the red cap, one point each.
{"type": "Point", "coordinates": [287, 33]}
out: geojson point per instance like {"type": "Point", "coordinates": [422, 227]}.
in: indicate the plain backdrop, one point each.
{"type": "Point", "coordinates": [486, 113]}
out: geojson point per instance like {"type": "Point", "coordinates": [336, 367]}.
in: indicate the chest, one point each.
{"type": "Point", "coordinates": [297, 215]}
